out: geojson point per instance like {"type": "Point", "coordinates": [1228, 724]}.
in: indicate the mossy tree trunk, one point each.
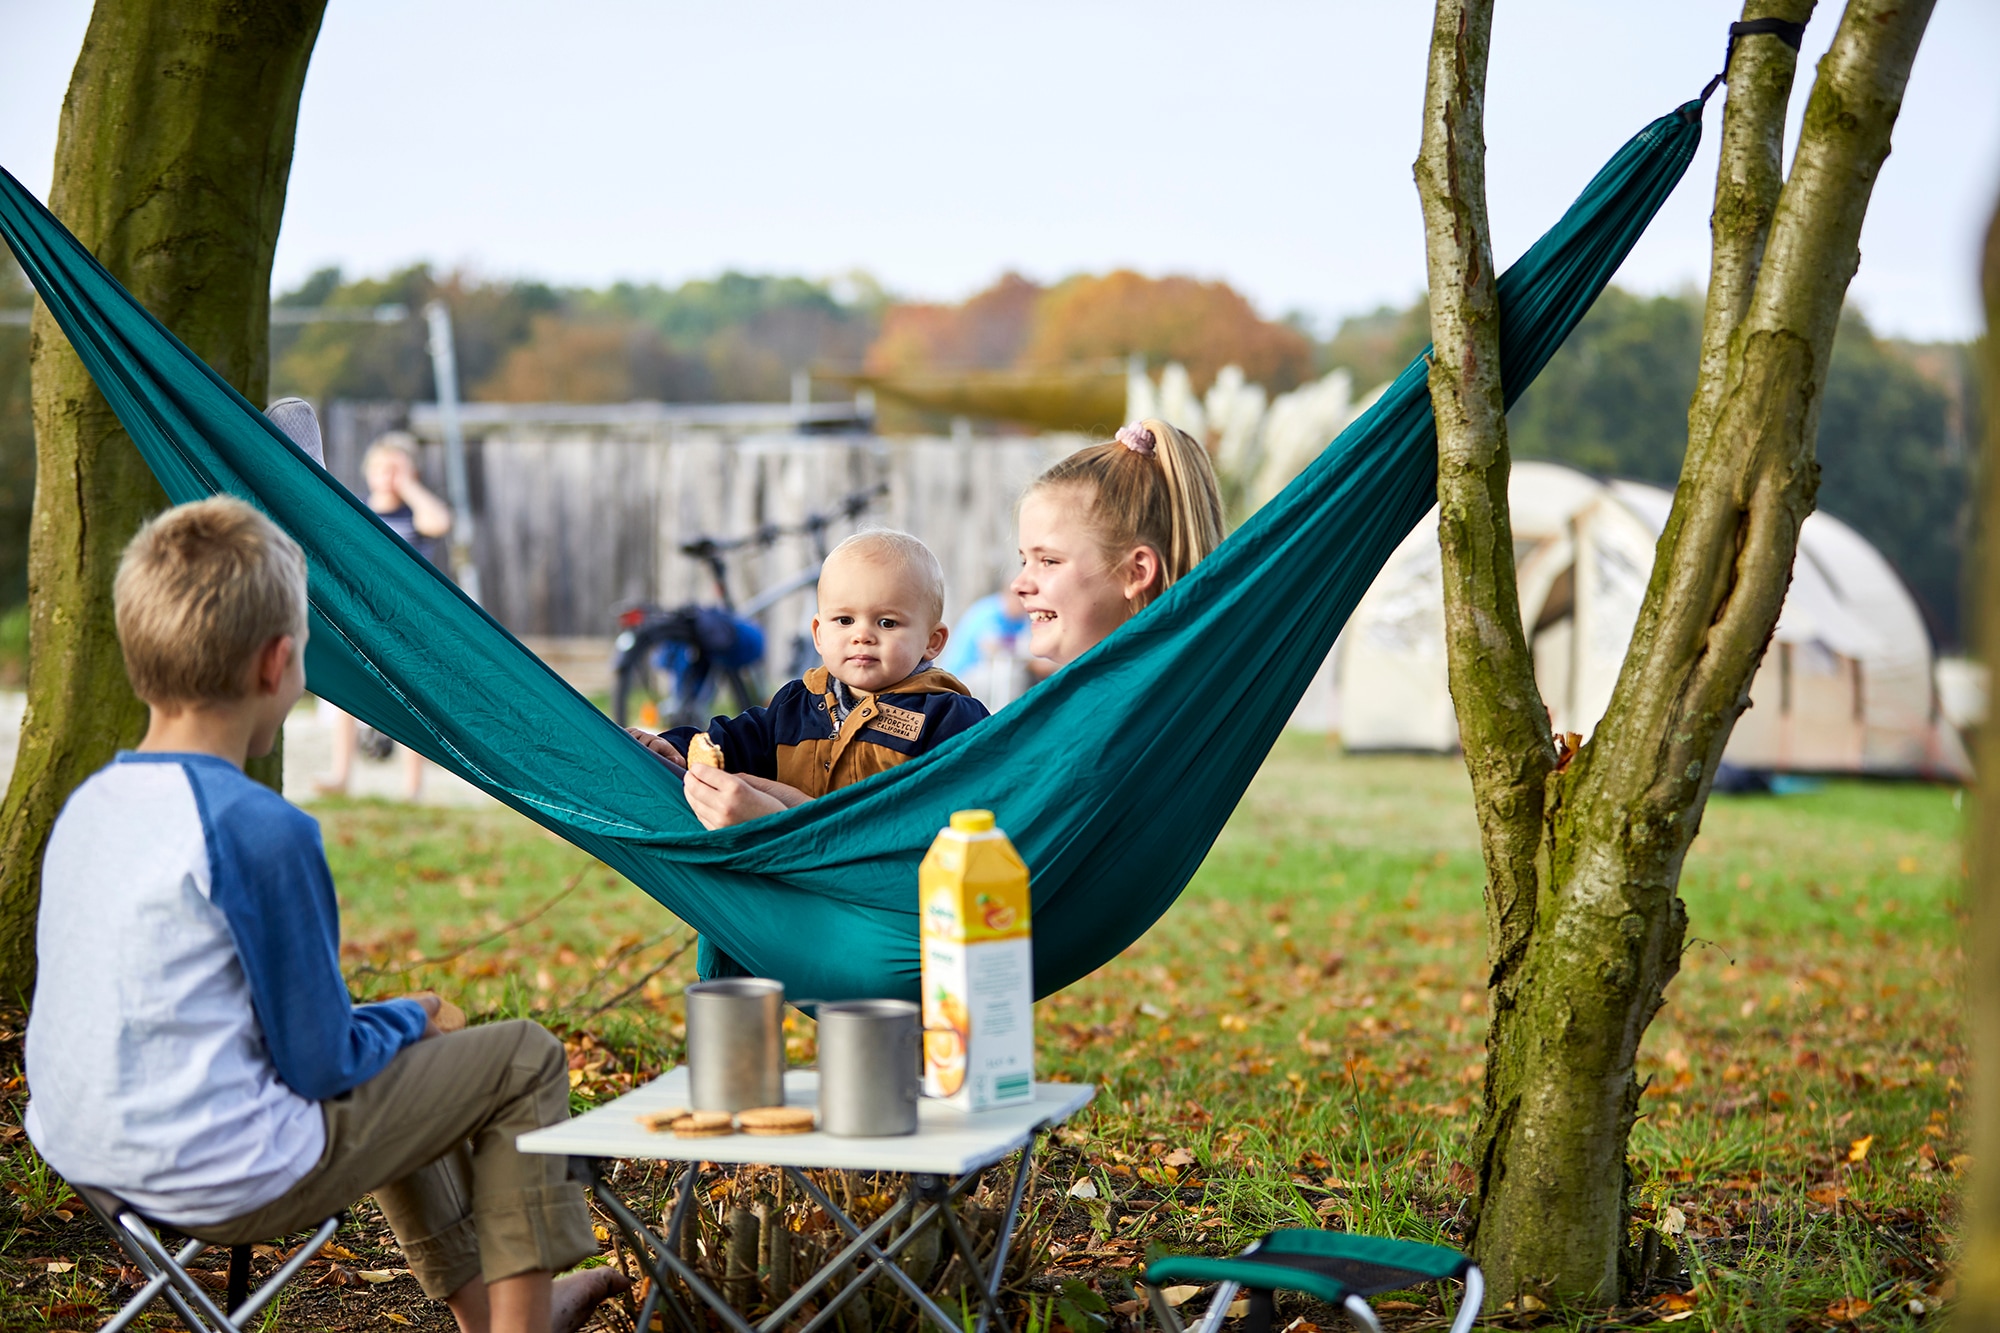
{"type": "Point", "coordinates": [1978, 1309]}
{"type": "Point", "coordinates": [1585, 925]}
{"type": "Point", "coordinates": [172, 155]}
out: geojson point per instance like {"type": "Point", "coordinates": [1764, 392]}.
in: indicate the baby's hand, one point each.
{"type": "Point", "coordinates": [720, 799]}
{"type": "Point", "coordinates": [659, 745]}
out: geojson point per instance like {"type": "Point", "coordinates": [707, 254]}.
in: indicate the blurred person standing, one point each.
{"type": "Point", "coordinates": [401, 500]}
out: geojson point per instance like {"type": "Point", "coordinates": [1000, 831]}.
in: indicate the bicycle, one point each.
{"type": "Point", "coordinates": [702, 649]}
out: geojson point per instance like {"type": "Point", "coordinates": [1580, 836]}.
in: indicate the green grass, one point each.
{"type": "Point", "coordinates": [1307, 1024]}
{"type": "Point", "coordinates": [1299, 1041]}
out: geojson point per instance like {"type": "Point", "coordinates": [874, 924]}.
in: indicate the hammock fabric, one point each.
{"type": "Point", "coordinates": [1113, 778]}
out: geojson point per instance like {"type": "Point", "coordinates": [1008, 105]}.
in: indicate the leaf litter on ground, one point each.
{"type": "Point", "coordinates": [1299, 1042]}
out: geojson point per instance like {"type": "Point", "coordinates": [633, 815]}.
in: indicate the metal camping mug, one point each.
{"type": "Point", "coordinates": [869, 1070]}
{"type": "Point", "coordinates": [736, 1043]}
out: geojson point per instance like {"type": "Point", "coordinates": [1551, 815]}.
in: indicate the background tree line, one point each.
{"type": "Point", "coordinates": [1894, 433]}
{"type": "Point", "coordinates": [1892, 439]}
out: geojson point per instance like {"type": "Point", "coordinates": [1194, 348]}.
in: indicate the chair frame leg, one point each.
{"type": "Point", "coordinates": [1470, 1304]}
{"type": "Point", "coordinates": [158, 1283]}
{"type": "Point", "coordinates": [1218, 1309]}
{"type": "Point", "coordinates": [1362, 1313]}
{"type": "Point", "coordinates": [265, 1294]}
{"type": "Point", "coordinates": [182, 1291]}
{"type": "Point", "coordinates": [167, 1277]}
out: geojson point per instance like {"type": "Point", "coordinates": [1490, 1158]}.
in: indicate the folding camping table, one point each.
{"type": "Point", "coordinates": [941, 1161]}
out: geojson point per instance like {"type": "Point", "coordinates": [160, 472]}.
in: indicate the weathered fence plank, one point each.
{"type": "Point", "coordinates": [582, 514]}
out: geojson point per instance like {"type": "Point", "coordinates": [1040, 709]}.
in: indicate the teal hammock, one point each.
{"type": "Point", "coordinates": [1113, 778]}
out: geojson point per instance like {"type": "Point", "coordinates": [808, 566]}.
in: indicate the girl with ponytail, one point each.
{"type": "Point", "coordinates": [1108, 529]}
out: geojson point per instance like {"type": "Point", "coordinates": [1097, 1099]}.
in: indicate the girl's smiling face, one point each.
{"type": "Point", "coordinates": [1074, 596]}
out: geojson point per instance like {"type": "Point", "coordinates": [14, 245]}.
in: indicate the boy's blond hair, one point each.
{"type": "Point", "coordinates": [918, 561]}
{"type": "Point", "coordinates": [199, 591]}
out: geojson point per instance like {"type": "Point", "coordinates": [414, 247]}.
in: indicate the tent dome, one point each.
{"type": "Point", "coordinates": [1846, 686]}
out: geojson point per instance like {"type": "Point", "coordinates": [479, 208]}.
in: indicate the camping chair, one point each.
{"type": "Point", "coordinates": [167, 1276]}
{"type": "Point", "coordinates": [1339, 1268]}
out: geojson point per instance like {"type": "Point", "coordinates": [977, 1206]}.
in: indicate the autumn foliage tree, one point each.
{"type": "Point", "coordinates": [593, 361]}
{"type": "Point", "coordinates": [1094, 323]}
{"type": "Point", "coordinates": [1203, 325]}
{"type": "Point", "coordinates": [986, 332]}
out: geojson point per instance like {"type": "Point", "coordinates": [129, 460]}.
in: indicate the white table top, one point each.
{"type": "Point", "coordinates": [948, 1142]}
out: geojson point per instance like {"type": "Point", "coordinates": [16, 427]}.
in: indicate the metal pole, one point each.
{"type": "Point", "coordinates": [444, 369]}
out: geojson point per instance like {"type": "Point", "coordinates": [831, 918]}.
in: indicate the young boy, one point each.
{"type": "Point", "coordinates": [876, 702]}
{"type": "Point", "coordinates": [193, 1049]}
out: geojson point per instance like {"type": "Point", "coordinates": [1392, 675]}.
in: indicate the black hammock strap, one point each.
{"type": "Point", "coordinates": [1786, 31]}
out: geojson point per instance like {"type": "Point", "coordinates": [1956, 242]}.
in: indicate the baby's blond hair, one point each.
{"type": "Point", "coordinates": [199, 591]}
{"type": "Point", "coordinates": [888, 545]}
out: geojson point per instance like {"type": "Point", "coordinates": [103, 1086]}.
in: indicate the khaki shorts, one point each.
{"type": "Point", "coordinates": [432, 1138]}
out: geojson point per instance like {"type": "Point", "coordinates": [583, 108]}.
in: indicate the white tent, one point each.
{"type": "Point", "coordinates": [1846, 685]}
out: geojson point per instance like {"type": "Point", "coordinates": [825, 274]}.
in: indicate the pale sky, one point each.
{"type": "Point", "coordinates": [1265, 142]}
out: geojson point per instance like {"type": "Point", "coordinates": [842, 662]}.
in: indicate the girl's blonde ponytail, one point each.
{"type": "Point", "coordinates": [1193, 498]}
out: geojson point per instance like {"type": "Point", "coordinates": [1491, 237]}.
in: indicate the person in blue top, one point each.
{"type": "Point", "coordinates": [996, 625]}
{"type": "Point", "coordinates": [193, 1049]}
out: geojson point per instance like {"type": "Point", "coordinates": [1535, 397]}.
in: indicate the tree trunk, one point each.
{"type": "Point", "coordinates": [1503, 724]}
{"type": "Point", "coordinates": [1584, 940]}
{"type": "Point", "coordinates": [171, 160]}
{"type": "Point", "coordinates": [1978, 1309]}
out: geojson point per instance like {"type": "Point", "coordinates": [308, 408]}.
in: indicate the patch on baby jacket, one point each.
{"type": "Point", "coordinates": [901, 723]}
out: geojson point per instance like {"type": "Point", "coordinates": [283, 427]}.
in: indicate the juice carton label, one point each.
{"type": "Point", "coordinates": [978, 972]}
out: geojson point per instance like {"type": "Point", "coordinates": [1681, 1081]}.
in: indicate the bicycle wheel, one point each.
{"type": "Point", "coordinates": [804, 657]}
{"type": "Point", "coordinates": [633, 678]}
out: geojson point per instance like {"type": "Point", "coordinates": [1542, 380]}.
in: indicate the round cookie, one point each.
{"type": "Point", "coordinates": [661, 1121]}
{"type": "Point", "coordinates": [774, 1120]}
{"type": "Point", "coordinates": [704, 1125]}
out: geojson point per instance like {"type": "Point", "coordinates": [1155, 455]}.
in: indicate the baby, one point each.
{"type": "Point", "coordinates": [875, 702]}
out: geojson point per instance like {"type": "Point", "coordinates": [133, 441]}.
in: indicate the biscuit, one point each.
{"type": "Point", "coordinates": [703, 752]}
{"type": "Point", "coordinates": [661, 1121]}
{"type": "Point", "coordinates": [704, 1125]}
{"type": "Point", "coordinates": [449, 1017]}
{"type": "Point", "coordinates": [774, 1120]}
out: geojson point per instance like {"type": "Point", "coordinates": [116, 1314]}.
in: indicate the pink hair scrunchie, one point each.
{"type": "Point", "coordinates": [1137, 438]}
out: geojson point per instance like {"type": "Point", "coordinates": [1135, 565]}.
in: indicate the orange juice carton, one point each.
{"type": "Point", "coordinates": [979, 991]}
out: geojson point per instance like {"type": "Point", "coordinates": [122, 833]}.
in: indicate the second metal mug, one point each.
{"type": "Point", "coordinates": [869, 1068]}
{"type": "Point", "coordinates": [736, 1043]}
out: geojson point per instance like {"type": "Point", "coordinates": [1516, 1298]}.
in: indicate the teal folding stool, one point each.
{"type": "Point", "coordinates": [1338, 1267]}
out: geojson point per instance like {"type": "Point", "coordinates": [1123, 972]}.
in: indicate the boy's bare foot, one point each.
{"type": "Point", "coordinates": [575, 1295]}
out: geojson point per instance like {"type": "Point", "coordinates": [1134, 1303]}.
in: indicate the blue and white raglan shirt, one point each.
{"type": "Point", "coordinates": [190, 1014]}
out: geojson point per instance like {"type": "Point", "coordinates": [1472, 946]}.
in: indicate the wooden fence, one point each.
{"type": "Point", "coordinates": [582, 510]}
